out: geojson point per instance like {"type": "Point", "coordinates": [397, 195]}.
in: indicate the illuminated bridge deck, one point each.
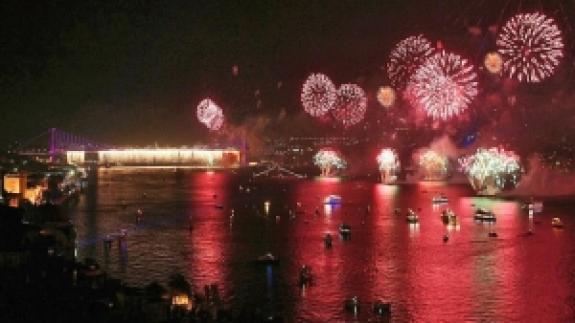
{"type": "Point", "coordinates": [190, 157]}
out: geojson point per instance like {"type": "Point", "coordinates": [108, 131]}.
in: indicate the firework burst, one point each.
{"type": "Point", "coordinates": [351, 104]}
{"type": "Point", "coordinates": [216, 122]}
{"type": "Point", "coordinates": [406, 57]}
{"type": "Point", "coordinates": [443, 86]}
{"type": "Point", "coordinates": [532, 47]}
{"type": "Point", "coordinates": [318, 95]}
{"type": "Point", "coordinates": [433, 165]}
{"type": "Point", "coordinates": [386, 96]}
{"type": "Point", "coordinates": [491, 170]}
{"type": "Point", "coordinates": [210, 114]}
{"type": "Point", "coordinates": [493, 63]}
{"type": "Point", "coordinates": [329, 161]}
{"type": "Point", "coordinates": [388, 164]}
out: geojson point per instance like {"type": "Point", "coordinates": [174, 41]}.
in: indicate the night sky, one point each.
{"type": "Point", "coordinates": [132, 72]}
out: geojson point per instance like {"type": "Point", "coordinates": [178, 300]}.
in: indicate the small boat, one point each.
{"type": "Point", "coordinates": [332, 199]}
{"type": "Point", "coordinates": [267, 259]}
{"type": "Point", "coordinates": [556, 223]}
{"type": "Point", "coordinates": [327, 241]}
{"type": "Point", "coordinates": [344, 230]}
{"type": "Point", "coordinates": [305, 276]}
{"type": "Point", "coordinates": [108, 240]}
{"type": "Point", "coordinates": [534, 207]}
{"type": "Point", "coordinates": [382, 309]}
{"type": "Point", "coordinates": [484, 215]}
{"type": "Point", "coordinates": [412, 217]}
{"type": "Point", "coordinates": [439, 199]}
{"type": "Point", "coordinates": [351, 305]}
{"type": "Point", "coordinates": [448, 217]}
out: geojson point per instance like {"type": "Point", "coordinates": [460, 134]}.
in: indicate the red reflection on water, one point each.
{"type": "Point", "coordinates": [310, 228]}
{"type": "Point", "coordinates": [469, 278]}
{"type": "Point", "coordinates": [208, 218]}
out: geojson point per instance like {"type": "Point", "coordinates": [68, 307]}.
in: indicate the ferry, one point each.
{"type": "Point", "coordinates": [268, 259]}
{"type": "Point", "coordinates": [557, 223]}
{"type": "Point", "coordinates": [344, 229]}
{"type": "Point", "coordinates": [439, 199]}
{"type": "Point", "coordinates": [332, 199]}
{"type": "Point", "coordinates": [412, 217]}
{"type": "Point", "coordinates": [448, 217]}
{"type": "Point", "coordinates": [484, 215]}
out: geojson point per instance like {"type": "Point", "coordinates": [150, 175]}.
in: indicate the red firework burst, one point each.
{"type": "Point", "coordinates": [531, 45]}
{"type": "Point", "coordinates": [443, 86]}
{"type": "Point", "coordinates": [406, 57]}
{"type": "Point", "coordinates": [318, 95]}
{"type": "Point", "coordinates": [351, 104]}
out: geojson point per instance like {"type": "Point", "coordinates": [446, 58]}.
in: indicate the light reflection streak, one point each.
{"type": "Point", "coordinates": [210, 233]}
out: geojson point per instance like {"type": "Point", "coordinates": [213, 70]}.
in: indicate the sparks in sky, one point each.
{"type": "Point", "coordinates": [318, 95]}
{"type": "Point", "coordinates": [351, 104]}
{"type": "Point", "coordinates": [405, 58]}
{"type": "Point", "coordinates": [532, 47]}
{"type": "Point", "coordinates": [386, 96]}
{"type": "Point", "coordinates": [210, 114]}
{"type": "Point", "coordinates": [493, 63]}
{"type": "Point", "coordinates": [443, 86]}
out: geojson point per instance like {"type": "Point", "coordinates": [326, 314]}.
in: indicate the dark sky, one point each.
{"type": "Point", "coordinates": [132, 72]}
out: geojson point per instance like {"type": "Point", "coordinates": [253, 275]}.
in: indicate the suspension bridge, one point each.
{"type": "Point", "coordinates": [58, 146]}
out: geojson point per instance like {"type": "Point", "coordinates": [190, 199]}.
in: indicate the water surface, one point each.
{"type": "Point", "coordinates": [187, 228]}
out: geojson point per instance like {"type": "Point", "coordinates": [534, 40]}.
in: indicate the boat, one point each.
{"type": "Point", "coordinates": [484, 215]}
{"type": "Point", "coordinates": [556, 223]}
{"type": "Point", "coordinates": [267, 259]}
{"type": "Point", "coordinates": [344, 230]}
{"type": "Point", "coordinates": [534, 207]}
{"type": "Point", "coordinates": [352, 305]}
{"type": "Point", "coordinates": [305, 276]}
{"type": "Point", "coordinates": [332, 199]}
{"type": "Point", "coordinates": [448, 217]}
{"type": "Point", "coordinates": [108, 239]}
{"type": "Point", "coordinates": [382, 309]}
{"type": "Point", "coordinates": [327, 241]}
{"type": "Point", "coordinates": [412, 217]}
{"type": "Point", "coordinates": [439, 199]}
